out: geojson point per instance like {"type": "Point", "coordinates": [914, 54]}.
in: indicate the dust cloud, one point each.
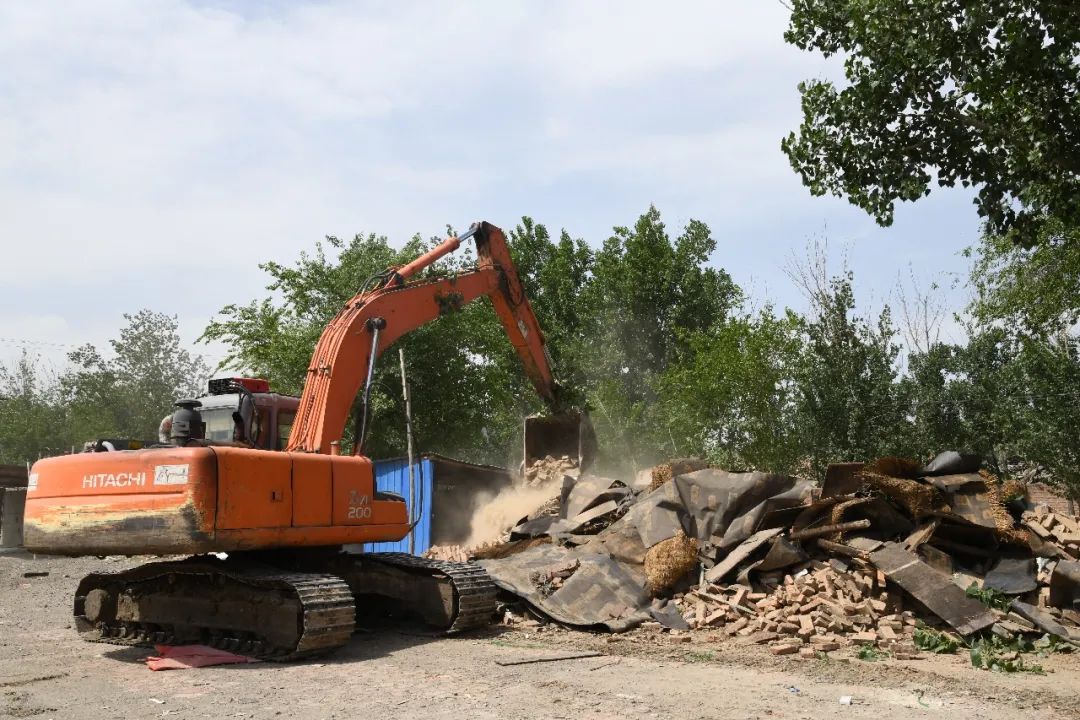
{"type": "Point", "coordinates": [498, 513]}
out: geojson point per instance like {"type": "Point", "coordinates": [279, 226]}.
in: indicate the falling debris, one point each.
{"type": "Point", "coordinates": [536, 494]}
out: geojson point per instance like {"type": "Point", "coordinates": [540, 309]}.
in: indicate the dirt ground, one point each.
{"type": "Point", "coordinates": [47, 672]}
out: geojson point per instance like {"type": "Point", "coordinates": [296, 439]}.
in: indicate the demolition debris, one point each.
{"type": "Point", "coordinates": [889, 555]}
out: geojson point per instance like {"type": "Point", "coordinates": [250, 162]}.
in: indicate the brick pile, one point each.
{"type": "Point", "coordinates": [1053, 527]}
{"type": "Point", "coordinates": [825, 606]}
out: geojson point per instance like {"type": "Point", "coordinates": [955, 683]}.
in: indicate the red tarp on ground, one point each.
{"type": "Point", "coordinates": [183, 657]}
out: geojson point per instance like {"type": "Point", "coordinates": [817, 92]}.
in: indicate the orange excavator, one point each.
{"type": "Point", "coordinates": [266, 575]}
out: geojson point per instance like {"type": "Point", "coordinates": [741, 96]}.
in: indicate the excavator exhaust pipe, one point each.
{"type": "Point", "coordinates": [570, 433]}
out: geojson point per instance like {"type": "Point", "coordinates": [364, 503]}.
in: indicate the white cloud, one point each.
{"type": "Point", "coordinates": [614, 44]}
{"type": "Point", "coordinates": [149, 144]}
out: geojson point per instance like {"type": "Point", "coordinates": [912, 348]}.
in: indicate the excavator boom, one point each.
{"type": "Point", "coordinates": [374, 319]}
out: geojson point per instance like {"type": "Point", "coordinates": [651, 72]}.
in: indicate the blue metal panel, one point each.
{"type": "Point", "coordinates": [393, 476]}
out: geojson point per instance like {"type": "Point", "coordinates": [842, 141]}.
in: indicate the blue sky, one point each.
{"type": "Point", "coordinates": [153, 152]}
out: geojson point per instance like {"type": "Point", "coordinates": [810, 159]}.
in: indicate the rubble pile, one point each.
{"type": "Point", "coordinates": [827, 606]}
{"type": "Point", "coordinates": [876, 553]}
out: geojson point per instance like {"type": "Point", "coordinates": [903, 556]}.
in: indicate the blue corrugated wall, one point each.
{"type": "Point", "coordinates": [393, 476]}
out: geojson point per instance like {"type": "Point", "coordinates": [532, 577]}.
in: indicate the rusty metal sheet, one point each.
{"type": "Point", "coordinates": [952, 483]}
{"type": "Point", "coordinates": [745, 524]}
{"type": "Point", "coordinates": [1012, 576]}
{"type": "Point", "coordinates": [933, 589]}
{"type": "Point", "coordinates": [555, 525]}
{"type": "Point", "coordinates": [961, 536]}
{"type": "Point", "coordinates": [885, 519]}
{"type": "Point", "coordinates": [937, 559]}
{"type": "Point", "coordinates": [1065, 585]}
{"type": "Point", "coordinates": [783, 553]}
{"type": "Point", "coordinates": [714, 502]}
{"type": "Point", "coordinates": [601, 592]}
{"type": "Point", "coordinates": [538, 526]}
{"type": "Point", "coordinates": [951, 462]}
{"type": "Point", "coordinates": [620, 540]}
{"type": "Point", "coordinates": [840, 479]}
{"type": "Point", "coordinates": [588, 491]}
{"type": "Point", "coordinates": [973, 504]}
{"type": "Point", "coordinates": [657, 515]}
{"type": "Point", "coordinates": [1041, 620]}
{"type": "Point", "coordinates": [780, 518]}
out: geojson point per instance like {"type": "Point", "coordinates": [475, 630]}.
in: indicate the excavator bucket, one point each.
{"type": "Point", "coordinates": [569, 433]}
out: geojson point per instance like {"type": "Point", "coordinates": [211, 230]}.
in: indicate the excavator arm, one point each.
{"type": "Point", "coordinates": [375, 318]}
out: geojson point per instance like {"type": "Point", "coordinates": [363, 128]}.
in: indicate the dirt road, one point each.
{"type": "Point", "coordinates": [47, 672]}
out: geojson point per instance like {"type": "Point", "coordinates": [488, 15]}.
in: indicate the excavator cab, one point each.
{"type": "Point", "coordinates": [241, 409]}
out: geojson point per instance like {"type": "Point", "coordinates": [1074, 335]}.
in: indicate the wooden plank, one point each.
{"type": "Point", "coordinates": [933, 589]}
{"type": "Point", "coordinates": [921, 534]}
{"type": "Point", "coordinates": [740, 553]}
{"type": "Point", "coordinates": [829, 529]}
{"type": "Point", "coordinates": [865, 544]}
{"type": "Point", "coordinates": [840, 479]}
{"type": "Point", "coordinates": [841, 549]}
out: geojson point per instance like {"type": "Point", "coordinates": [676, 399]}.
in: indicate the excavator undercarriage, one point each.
{"type": "Point", "coordinates": [269, 610]}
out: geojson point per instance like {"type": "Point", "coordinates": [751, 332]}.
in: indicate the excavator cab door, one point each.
{"type": "Point", "coordinates": [568, 434]}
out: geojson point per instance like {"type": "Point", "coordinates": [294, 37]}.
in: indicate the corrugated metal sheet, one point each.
{"type": "Point", "coordinates": [393, 476]}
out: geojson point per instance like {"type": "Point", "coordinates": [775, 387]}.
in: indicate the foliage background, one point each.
{"type": "Point", "coordinates": [668, 354]}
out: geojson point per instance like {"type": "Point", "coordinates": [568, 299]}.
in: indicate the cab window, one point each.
{"type": "Point", "coordinates": [285, 420]}
{"type": "Point", "coordinates": [219, 424]}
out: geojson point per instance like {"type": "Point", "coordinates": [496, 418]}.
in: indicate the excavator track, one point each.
{"type": "Point", "coordinates": [472, 601]}
{"type": "Point", "coordinates": [279, 610]}
{"type": "Point", "coordinates": [249, 609]}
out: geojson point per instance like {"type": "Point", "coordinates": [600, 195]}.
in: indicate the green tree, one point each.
{"type": "Point", "coordinates": [730, 395]}
{"type": "Point", "coordinates": [1032, 290]}
{"type": "Point", "coordinates": [649, 294]}
{"type": "Point", "coordinates": [983, 94]}
{"type": "Point", "coordinates": [967, 397]}
{"type": "Point", "coordinates": [935, 396]}
{"type": "Point", "coordinates": [849, 404]}
{"type": "Point", "coordinates": [31, 415]}
{"type": "Point", "coordinates": [1049, 375]}
{"type": "Point", "coordinates": [127, 394]}
{"type": "Point", "coordinates": [557, 277]}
